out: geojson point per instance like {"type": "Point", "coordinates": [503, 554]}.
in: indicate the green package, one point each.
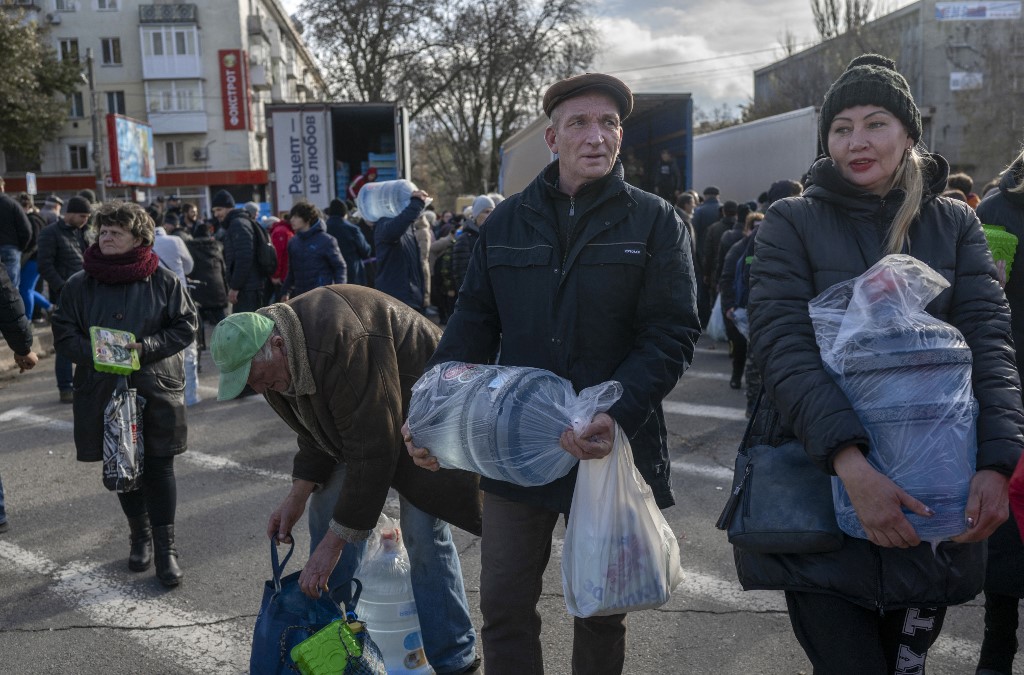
{"type": "Point", "coordinates": [110, 352]}
{"type": "Point", "coordinates": [1003, 246]}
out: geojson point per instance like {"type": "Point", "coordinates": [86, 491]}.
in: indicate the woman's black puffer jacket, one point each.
{"type": "Point", "coordinates": [160, 314]}
{"type": "Point", "coordinates": [833, 233]}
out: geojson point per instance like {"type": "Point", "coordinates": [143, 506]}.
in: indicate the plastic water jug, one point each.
{"type": "Point", "coordinates": [384, 199]}
{"type": "Point", "coordinates": [503, 422]}
{"type": "Point", "coordinates": [388, 607]}
{"type": "Point", "coordinates": [911, 395]}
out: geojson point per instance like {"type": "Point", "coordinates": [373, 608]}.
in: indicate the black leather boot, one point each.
{"type": "Point", "coordinates": [167, 570]}
{"type": "Point", "coordinates": [141, 556]}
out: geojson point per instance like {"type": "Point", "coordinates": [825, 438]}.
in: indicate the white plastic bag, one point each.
{"type": "Point", "coordinates": [620, 553]}
{"type": "Point", "coordinates": [908, 377]}
{"type": "Point", "coordinates": [741, 321]}
{"type": "Point", "coordinates": [502, 422]}
{"type": "Point", "coordinates": [716, 324]}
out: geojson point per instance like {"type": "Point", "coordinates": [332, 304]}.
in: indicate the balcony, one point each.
{"type": "Point", "coordinates": [179, 122]}
{"type": "Point", "coordinates": [257, 26]}
{"type": "Point", "coordinates": [259, 79]}
{"type": "Point", "coordinates": [184, 13]}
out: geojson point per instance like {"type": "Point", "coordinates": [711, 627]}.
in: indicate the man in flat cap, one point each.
{"type": "Point", "coordinates": [337, 365]}
{"type": "Point", "coordinates": [591, 278]}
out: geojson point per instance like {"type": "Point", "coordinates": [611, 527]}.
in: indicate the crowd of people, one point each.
{"type": "Point", "coordinates": [334, 318]}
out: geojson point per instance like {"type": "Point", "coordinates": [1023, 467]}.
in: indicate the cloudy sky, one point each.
{"type": "Point", "coordinates": [707, 47]}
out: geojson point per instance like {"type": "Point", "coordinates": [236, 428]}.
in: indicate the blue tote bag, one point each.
{"type": "Point", "coordinates": [286, 618]}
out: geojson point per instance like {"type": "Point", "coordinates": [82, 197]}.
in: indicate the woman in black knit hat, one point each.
{"type": "Point", "coordinates": [876, 604]}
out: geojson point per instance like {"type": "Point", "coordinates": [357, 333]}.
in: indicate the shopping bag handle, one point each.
{"type": "Point", "coordinates": [278, 567]}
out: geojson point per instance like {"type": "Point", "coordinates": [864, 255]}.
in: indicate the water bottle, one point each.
{"type": "Point", "coordinates": [388, 607]}
{"type": "Point", "coordinates": [384, 199]}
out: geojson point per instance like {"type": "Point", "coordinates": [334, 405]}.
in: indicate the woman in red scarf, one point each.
{"type": "Point", "coordinates": [123, 286]}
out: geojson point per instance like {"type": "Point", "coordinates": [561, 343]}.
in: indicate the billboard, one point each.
{"type": "Point", "coordinates": [130, 142]}
{"type": "Point", "coordinates": [234, 89]}
{"type": "Point", "coordinates": [977, 11]}
{"type": "Point", "coordinates": [301, 160]}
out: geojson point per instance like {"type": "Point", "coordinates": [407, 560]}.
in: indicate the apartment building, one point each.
{"type": "Point", "coordinates": [198, 72]}
{"type": "Point", "coordinates": [962, 62]}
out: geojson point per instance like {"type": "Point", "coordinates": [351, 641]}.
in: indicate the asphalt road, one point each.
{"type": "Point", "coordinates": [68, 603]}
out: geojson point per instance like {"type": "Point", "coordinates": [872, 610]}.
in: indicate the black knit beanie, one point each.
{"type": "Point", "coordinates": [870, 79]}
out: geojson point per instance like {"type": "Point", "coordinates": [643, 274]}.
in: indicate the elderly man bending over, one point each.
{"type": "Point", "coordinates": [337, 365]}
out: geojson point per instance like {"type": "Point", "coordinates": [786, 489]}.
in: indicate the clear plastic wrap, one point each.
{"type": "Point", "coordinates": [123, 449]}
{"type": "Point", "coordinates": [908, 377]}
{"type": "Point", "coordinates": [502, 422]}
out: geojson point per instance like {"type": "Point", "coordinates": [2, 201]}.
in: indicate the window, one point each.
{"type": "Point", "coordinates": [175, 152]}
{"type": "Point", "coordinates": [169, 41]}
{"type": "Point", "coordinates": [115, 102]}
{"type": "Point", "coordinates": [78, 157]}
{"type": "Point", "coordinates": [111, 48]}
{"type": "Point", "coordinates": [106, 5]}
{"type": "Point", "coordinates": [69, 49]}
{"type": "Point", "coordinates": [66, 5]}
{"type": "Point", "coordinates": [76, 106]}
{"type": "Point", "coordinates": [174, 96]}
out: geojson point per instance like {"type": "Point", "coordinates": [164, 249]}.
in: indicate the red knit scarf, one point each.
{"type": "Point", "coordinates": [135, 265]}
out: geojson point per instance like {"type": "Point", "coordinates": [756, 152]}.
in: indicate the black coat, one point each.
{"type": "Point", "coordinates": [353, 245]}
{"type": "Point", "coordinates": [1005, 571]}
{"type": "Point", "coordinates": [240, 253]}
{"type": "Point", "coordinates": [14, 325]}
{"type": "Point", "coordinates": [14, 226]}
{"type": "Point", "coordinates": [545, 307]}
{"type": "Point", "coordinates": [462, 252]}
{"type": "Point", "coordinates": [843, 231]}
{"type": "Point", "coordinates": [162, 317]}
{"type": "Point", "coordinates": [210, 269]}
{"type": "Point", "coordinates": [60, 254]}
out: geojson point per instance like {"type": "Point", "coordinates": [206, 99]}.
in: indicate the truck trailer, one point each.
{"type": "Point", "coordinates": [658, 122]}
{"type": "Point", "coordinates": [744, 160]}
{"type": "Point", "coordinates": [317, 149]}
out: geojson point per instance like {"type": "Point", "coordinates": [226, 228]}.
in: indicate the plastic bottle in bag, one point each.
{"type": "Point", "coordinates": [384, 199]}
{"type": "Point", "coordinates": [908, 376]}
{"type": "Point", "coordinates": [387, 605]}
{"type": "Point", "coordinates": [502, 422]}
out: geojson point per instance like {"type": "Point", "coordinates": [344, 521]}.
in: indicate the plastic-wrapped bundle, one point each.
{"type": "Point", "coordinates": [502, 422]}
{"type": "Point", "coordinates": [908, 377]}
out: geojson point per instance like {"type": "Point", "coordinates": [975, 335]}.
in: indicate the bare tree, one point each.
{"type": "Point", "coordinates": [505, 52]}
{"type": "Point", "coordinates": [835, 17]}
{"type": "Point", "coordinates": [368, 49]}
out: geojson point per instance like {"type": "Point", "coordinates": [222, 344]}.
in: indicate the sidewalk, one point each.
{"type": "Point", "coordinates": [42, 345]}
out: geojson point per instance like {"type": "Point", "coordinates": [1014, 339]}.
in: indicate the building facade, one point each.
{"type": "Point", "coordinates": [199, 73]}
{"type": "Point", "coordinates": [961, 60]}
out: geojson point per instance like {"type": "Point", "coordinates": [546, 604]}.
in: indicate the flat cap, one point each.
{"type": "Point", "coordinates": [570, 87]}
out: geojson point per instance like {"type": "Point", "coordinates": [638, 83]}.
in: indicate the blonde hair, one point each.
{"type": "Point", "coordinates": [909, 177]}
{"type": "Point", "coordinates": [752, 217]}
{"type": "Point", "coordinates": [1019, 187]}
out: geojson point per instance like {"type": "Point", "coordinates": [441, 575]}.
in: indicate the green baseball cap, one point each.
{"type": "Point", "coordinates": [235, 341]}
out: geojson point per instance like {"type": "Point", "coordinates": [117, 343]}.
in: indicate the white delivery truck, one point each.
{"type": "Point", "coordinates": [317, 149]}
{"type": "Point", "coordinates": [744, 160]}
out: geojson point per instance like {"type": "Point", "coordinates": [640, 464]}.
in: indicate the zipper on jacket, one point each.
{"type": "Point", "coordinates": [572, 205]}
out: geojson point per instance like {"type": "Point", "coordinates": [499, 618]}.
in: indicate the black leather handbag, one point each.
{"type": "Point", "coordinates": [780, 501]}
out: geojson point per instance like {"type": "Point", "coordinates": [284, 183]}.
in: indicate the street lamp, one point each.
{"type": "Point", "coordinates": [97, 154]}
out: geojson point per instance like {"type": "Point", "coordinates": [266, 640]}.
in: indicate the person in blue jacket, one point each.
{"type": "Point", "coordinates": [314, 258]}
{"type": "Point", "coordinates": [353, 245]}
{"type": "Point", "coordinates": [399, 270]}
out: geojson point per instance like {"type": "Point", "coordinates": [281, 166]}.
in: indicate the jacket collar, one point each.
{"type": "Point", "coordinates": [316, 227]}
{"type": "Point", "coordinates": [828, 184]}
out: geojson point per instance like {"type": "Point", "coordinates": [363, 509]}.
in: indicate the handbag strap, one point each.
{"type": "Point", "coordinates": [278, 567]}
{"type": "Point", "coordinates": [753, 416]}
